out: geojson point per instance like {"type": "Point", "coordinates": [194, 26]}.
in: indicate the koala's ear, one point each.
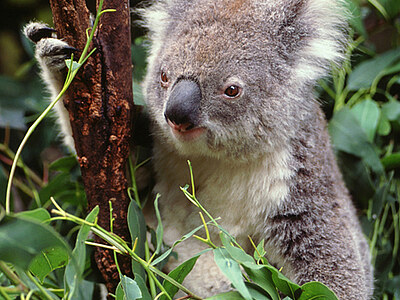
{"type": "Point", "coordinates": [321, 26]}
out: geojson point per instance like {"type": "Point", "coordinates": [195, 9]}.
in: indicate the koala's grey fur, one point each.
{"type": "Point", "coordinates": [262, 160]}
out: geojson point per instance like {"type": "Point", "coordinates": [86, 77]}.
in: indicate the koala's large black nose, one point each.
{"type": "Point", "coordinates": [183, 106]}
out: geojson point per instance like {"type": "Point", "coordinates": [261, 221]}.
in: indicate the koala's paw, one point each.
{"type": "Point", "coordinates": [36, 31]}
{"type": "Point", "coordinates": [50, 51]}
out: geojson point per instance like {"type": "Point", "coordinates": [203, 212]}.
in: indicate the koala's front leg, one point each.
{"type": "Point", "coordinates": [51, 54]}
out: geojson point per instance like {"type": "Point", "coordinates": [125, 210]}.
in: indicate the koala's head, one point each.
{"type": "Point", "coordinates": [234, 78]}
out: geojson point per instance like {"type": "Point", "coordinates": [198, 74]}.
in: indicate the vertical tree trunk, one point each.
{"type": "Point", "coordinates": [100, 104]}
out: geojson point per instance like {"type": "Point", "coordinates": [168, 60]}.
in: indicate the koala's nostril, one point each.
{"type": "Point", "coordinates": [180, 127]}
{"type": "Point", "coordinates": [183, 106]}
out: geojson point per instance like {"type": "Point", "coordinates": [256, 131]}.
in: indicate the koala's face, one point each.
{"type": "Point", "coordinates": [218, 85]}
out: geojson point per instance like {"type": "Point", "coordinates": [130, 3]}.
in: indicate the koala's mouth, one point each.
{"type": "Point", "coordinates": [185, 132]}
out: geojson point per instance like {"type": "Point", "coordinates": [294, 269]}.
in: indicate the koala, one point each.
{"type": "Point", "coordinates": [230, 87]}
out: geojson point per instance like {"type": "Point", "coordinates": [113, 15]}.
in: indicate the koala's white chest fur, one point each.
{"type": "Point", "coordinates": [241, 194]}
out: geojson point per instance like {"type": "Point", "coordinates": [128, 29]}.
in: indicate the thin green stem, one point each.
{"type": "Point", "coordinates": [207, 240]}
{"type": "Point", "coordinates": [70, 77]}
{"type": "Point", "coordinates": [396, 223]}
{"type": "Point", "coordinates": [40, 287]}
{"type": "Point", "coordinates": [192, 179]}
{"type": "Point", "coordinates": [122, 246]}
{"type": "Point", "coordinates": [12, 276]}
{"type": "Point", "coordinates": [20, 164]}
{"type": "Point", "coordinates": [152, 285]}
{"type": "Point", "coordinates": [4, 294]}
{"type": "Point", "coordinates": [160, 286]}
{"type": "Point", "coordinates": [21, 146]}
{"type": "Point", "coordinates": [132, 170]}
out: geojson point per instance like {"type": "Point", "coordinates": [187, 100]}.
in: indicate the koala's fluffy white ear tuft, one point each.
{"type": "Point", "coordinates": [155, 20]}
{"type": "Point", "coordinates": [328, 41]}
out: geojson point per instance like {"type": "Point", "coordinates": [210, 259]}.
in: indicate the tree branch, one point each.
{"type": "Point", "coordinates": [100, 104]}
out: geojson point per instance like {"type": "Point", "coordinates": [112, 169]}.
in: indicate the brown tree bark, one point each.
{"type": "Point", "coordinates": [100, 104]}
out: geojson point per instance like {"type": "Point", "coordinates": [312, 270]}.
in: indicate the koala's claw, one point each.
{"type": "Point", "coordinates": [37, 31]}
{"type": "Point", "coordinates": [62, 50]}
{"type": "Point", "coordinates": [51, 52]}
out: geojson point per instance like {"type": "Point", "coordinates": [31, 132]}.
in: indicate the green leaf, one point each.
{"type": "Point", "coordinates": [231, 269]}
{"type": "Point", "coordinates": [384, 127]}
{"type": "Point", "coordinates": [159, 230]}
{"type": "Point", "coordinates": [143, 287]}
{"type": "Point", "coordinates": [75, 65]}
{"type": "Point", "coordinates": [179, 274]}
{"type": "Point", "coordinates": [85, 290]}
{"type": "Point", "coordinates": [227, 296]}
{"type": "Point", "coordinates": [348, 136]}
{"type": "Point", "coordinates": [73, 274]}
{"type": "Point", "coordinates": [392, 7]}
{"type": "Point", "coordinates": [22, 239]}
{"type": "Point", "coordinates": [316, 290]}
{"type": "Point", "coordinates": [131, 288]}
{"type": "Point", "coordinates": [391, 161]}
{"type": "Point", "coordinates": [137, 229]}
{"type": "Point", "coordinates": [367, 113]}
{"type": "Point", "coordinates": [260, 252]}
{"type": "Point", "coordinates": [286, 286]}
{"type": "Point", "coordinates": [263, 278]}
{"type": "Point", "coordinates": [256, 292]}
{"type": "Point", "coordinates": [12, 118]}
{"type": "Point", "coordinates": [169, 251]}
{"type": "Point", "coordinates": [64, 164]}
{"type": "Point", "coordinates": [56, 186]}
{"type": "Point", "coordinates": [391, 110]}
{"type": "Point", "coordinates": [49, 260]}
{"type": "Point", "coordinates": [39, 214]}
{"type": "Point", "coordinates": [119, 292]}
{"type": "Point", "coordinates": [237, 254]}
{"type": "Point", "coordinates": [356, 20]}
{"type": "Point", "coordinates": [364, 74]}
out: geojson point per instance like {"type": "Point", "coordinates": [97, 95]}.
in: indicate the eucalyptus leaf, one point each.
{"type": "Point", "coordinates": [137, 229]}
{"type": "Point", "coordinates": [22, 239]}
{"type": "Point", "coordinates": [391, 161]}
{"type": "Point", "coordinates": [316, 290]}
{"type": "Point", "coordinates": [286, 286]}
{"type": "Point", "coordinates": [179, 274]}
{"type": "Point", "coordinates": [75, 65]}
{"type": "Point", "coordinates": [64, 164]}
{"type": "Point", "coordinates": [73, 274]}
{"type": "Point", "coordinates": [143, 287]}
{"type": "Point", "coordinates": [169, 251]}
{"type": "Point", "coordinates": [57, 185]}
{"type": "Point", "coordinates": [231, 269]}
{"type": "Point", "coordinates": [227, 296]}
{"type": "Point", "coordinates": [367, 113]}
{"type": "Point", "coordinates": [48, 260]}
{"type": "Point", "coordinates": [263, 278]}
{"type": "Point", "coordinates": [39, 214]}
{"type": "Point", "coordinates": [119, 292]}
{"type": "Point", "coordinates": [384, 127]}
{"type": "Point", "coordinates": [391, 110]}
{"type": "Point", "coordinates": [131, 288]}
{"type": "Point", "coordinates": [356, 20]}
{"type": "Point", "coordinates": [256, 292]}
{"type": "Point", "coordinates": [236, 253]}
{"type": "Point", "coordinates": [348, 136]}
{"type": "Point", "coordinates": [260, 252]}
{"type": "Point", "coordinates": [12, 118]}
{"type": "Point", "coordinates": [159, 230]}
{"type": "Point", "coordinates": [365, 73]}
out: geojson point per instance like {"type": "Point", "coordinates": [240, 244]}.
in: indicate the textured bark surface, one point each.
{"type": "Point", "coordinates": [100, 104]}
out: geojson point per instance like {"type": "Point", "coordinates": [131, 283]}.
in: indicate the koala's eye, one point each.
{"type": "Point", "coordinates": [164, 79]}
{"type": "Point", "coordinates": [233, 91]}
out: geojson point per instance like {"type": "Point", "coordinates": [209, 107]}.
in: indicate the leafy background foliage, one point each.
{"type": "Point", "coordinates": [360, 101]}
